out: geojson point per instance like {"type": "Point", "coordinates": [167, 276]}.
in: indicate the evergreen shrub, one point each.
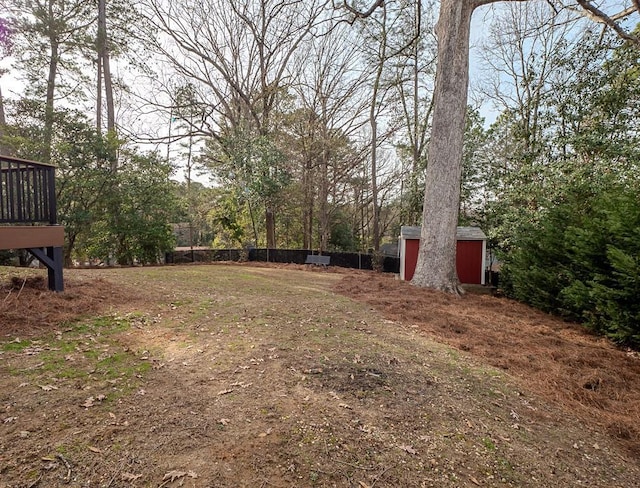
{"type": "Point", "coordinates": [582, 261]}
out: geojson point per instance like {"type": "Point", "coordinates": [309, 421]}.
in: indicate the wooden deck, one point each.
{"type": "Point", "coordinates": [26, 237]}
{"type": "Point", "coordinates": [27, 201]}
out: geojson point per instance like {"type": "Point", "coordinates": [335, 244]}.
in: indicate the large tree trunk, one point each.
{"type": "Point", "coordinates": [436, 267]}
{"type": "Point", "coordinates": [270, 221]}
{"type": "Point", "coordinates": [105, 74]}
{"type": "Point", "coordinates": [373, 124]}
{"type": "Point", "coordinates": [307, 208]}
{"type": "Point", "coordinates": [324, 219]}
{"type": "Point", "coordinates": [99, 95]}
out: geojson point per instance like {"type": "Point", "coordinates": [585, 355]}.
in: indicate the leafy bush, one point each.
{"type": "Point", "coordinates": [582, 261]}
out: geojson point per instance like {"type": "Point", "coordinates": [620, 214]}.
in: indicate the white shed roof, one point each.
{"type": "Point", "coordinates": [463, 233]}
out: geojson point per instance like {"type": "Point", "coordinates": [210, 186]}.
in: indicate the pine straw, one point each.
{"type": "Point", "coordinates": [28, 308]}
{"type": "Point", "coordinates": [586, 375]}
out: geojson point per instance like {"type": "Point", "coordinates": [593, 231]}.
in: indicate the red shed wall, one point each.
{"type": "Point", "coordinates": [411, 258]}
{"type": "Point", "coordinates": [468, 260]}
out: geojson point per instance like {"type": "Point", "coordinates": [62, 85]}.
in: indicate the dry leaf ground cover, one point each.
{"type": "Point", "coordinates": [228, 375]}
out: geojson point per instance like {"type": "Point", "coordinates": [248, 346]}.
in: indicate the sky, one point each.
{"type": "Point", "coordinates": [482, 17]}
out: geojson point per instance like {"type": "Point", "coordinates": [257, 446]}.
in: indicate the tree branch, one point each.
{"type": "Point", "coordinates": [357, 14]}
{"type": "Point", "coordinates": [480, 3]}
{"type": "Point", "coordinates": [597, 15]}
{"type": "Point", "coordinates": [553, 7]}
{"type": "Point", "coordinates": [368, 13]}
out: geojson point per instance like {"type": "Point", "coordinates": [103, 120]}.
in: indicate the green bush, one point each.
{"type": "Point", "coordinates": [582, 262]}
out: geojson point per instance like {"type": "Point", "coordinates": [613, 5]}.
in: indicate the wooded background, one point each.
{"type": "Point", "coordinates": [306, 125]}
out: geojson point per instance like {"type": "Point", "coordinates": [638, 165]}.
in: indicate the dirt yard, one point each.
{"type": "Point", "coordinates": [237, 375]}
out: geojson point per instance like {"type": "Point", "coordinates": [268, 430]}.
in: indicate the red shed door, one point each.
{"type": "Point", "coordinates": [410, 257]}
{"type": "Point", "coordinates": [469, 262]}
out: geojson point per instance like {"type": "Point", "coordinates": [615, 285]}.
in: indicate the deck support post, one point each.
{"type": "Point", "coordinates": [52, 258]}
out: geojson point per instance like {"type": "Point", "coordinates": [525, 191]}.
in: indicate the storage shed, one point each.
{"type": "Point", "coordinates": [471, 251]}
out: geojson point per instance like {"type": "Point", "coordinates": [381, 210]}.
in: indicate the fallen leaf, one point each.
{"type": "Point", "coordinates": [408, 449]}
{"type": "Point", "coordinates": [363, 484]}
{"type": "Point", "coordinates": [474, 481]}
{"type": "Point", "coordinates": [88, 402]}
{"type": "Point", "coordinates": [95, 449]}
{"type": "Point", "coordinates": [48, 387]}
{"type": "Point", "coordinates": [129, 477]}
{"type": "Point", "coordinates": [174, 475]}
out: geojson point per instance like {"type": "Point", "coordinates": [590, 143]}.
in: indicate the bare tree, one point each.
{"type": "Point", "coordinates": [377, 96]}
{"type": "Point", "coordinates": [389, 39]}
{"type": "Point", "coordinates": [237, 54]}
{"type": "Point", "coordinates": [414, 71]}
{"type": "Point", "coordinates": [333, 99]}
{"type": "Point", "coordinates": [522, 54]}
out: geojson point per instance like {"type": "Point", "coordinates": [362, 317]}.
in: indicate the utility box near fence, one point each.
{"type": "Point", "coordinates": [471, 250]}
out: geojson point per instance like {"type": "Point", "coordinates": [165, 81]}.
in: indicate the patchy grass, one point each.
{"type": "Point", "coordinates": [260, 376]}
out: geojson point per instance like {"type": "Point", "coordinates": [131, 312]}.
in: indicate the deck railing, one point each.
{"type": "Point", "coordinates": [28, 197]}
{"type": "Point", "coordinates": [27, 192]}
